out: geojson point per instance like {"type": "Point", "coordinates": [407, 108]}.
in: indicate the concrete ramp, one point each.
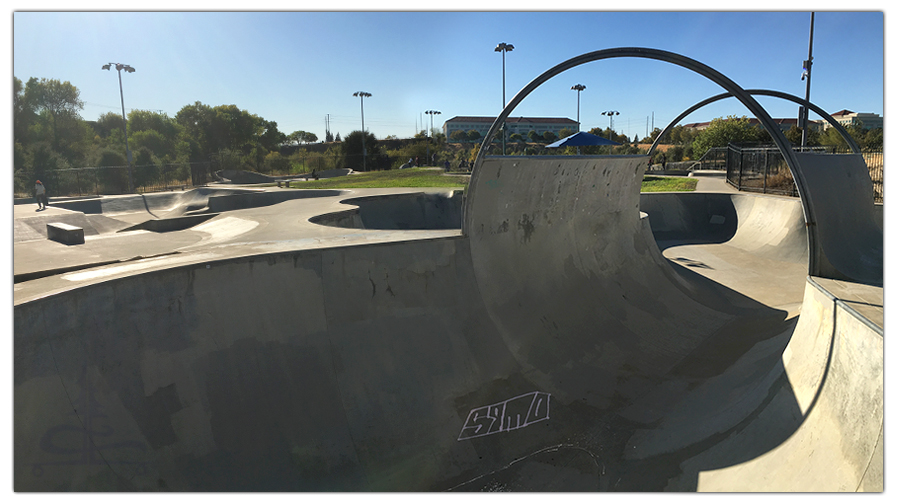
{"type": "Point", "coordinates": [850, 242]}
{"type": "Point", "coordinates": [551, 348]}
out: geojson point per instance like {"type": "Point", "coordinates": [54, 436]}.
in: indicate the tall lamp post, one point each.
{"type": "Point", "coordinates": [610, 114]}
{"type": "Point", "coordinates": [503, 48]}
{"type": "Point", "coordinates": [431, 113]}
{"type": "Point", "coordinates": [119, 67]}
{"type": "Point", "coordinates": [362, 115]}
{"type": "Point", "coordinates": [578, 87]}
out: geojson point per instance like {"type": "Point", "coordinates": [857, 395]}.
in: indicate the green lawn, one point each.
{"type": "Point", "coordinates": [434, 177]}
{"type": "Point", "coordinates": [411, 177]}
{"type": "Point", "coordinates": [652, 184]}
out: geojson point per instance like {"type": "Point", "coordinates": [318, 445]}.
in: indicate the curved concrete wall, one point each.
{"type": "Point", "coordinates": [766, 226]}
{"type": "Point", "coordinates": [399, 211]}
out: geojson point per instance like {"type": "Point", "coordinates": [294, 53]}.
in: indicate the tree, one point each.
{"type": "Point", "coordinates": [459, 136]}
{"type": "Point", "coordinates": [565, 133]}
{"type": "Point", "coordinates": [874, 140]}
{"type": "Point", "coordinates": [722, 131]}
{"type": "Point", "coordinates": [55, 100]}
{"type": "Point", "coordinates": [473, 135]}
{"type": "Point", "coordinates": [156, 131]}
{"type": "Point", "coordinates": [23, 113]}
{"type": "Point", "coordinates": [549, 136]}
{"type": "Point", "coordinates": [352, 150]}
{"type": "Point", "coordinates": [794, 135]}
{"type": "Point", "coordinates": [300, 136]}
{"type": "Point", "coordinates": [108, 124]}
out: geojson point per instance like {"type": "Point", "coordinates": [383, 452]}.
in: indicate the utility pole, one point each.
{"type": "Point", "coordinates": [807, 75]}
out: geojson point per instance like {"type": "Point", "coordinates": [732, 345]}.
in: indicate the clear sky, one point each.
{"type": "Point", "coordinates": [296, 68]}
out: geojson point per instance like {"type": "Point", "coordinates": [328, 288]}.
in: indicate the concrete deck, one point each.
{"type": "Point", "coordinates": [579, 337]}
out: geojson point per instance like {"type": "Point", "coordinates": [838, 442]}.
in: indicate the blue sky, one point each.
{"type": "Point", "coordinates": [297, 67]}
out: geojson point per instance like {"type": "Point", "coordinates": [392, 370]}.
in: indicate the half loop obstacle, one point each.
{"type": "Point", "coordinates": [845, 242]}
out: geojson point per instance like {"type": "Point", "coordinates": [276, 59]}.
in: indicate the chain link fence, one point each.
{"type": "Point", "coordinates": [95, 181]}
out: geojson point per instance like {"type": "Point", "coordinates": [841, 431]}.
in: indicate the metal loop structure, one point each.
{"type": "Point", "coordinates": [731, 88]}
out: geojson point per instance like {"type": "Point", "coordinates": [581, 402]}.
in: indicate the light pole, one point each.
{"type": "Point", "coordinates": [579, 87]}
{"type": "Point", "coordinates": [119, 67]}
{"type": "Point", "coordinates": [807, 75]}
{"type": "Point", "coordinates": [362, 115]}
{"type": "Point", "coordinates": [610, 114]}
{"type": "Point", "coordinates": [503, 48]}
{"type": "Point", "coordinates": [431, 113]}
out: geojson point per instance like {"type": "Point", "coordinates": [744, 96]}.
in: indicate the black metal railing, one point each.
{"type": "Point", "coordinates": [763, 169]}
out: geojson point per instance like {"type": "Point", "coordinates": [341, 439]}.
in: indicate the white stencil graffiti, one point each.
{"type": "Point", "coordinates": [514, 413]}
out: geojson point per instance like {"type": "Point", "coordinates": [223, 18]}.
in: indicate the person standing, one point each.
{"type": "Point", "coordinates": [40, 193]}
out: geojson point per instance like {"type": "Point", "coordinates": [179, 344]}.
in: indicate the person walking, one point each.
{"type": "Point", "coordinates": [40, 194]}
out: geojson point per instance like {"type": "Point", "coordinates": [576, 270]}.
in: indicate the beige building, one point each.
{"type": "Point", "coordinates": [849, 118]}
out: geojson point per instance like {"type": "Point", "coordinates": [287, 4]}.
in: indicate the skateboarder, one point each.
{"type": "Point", "coordinates": [40, 193]}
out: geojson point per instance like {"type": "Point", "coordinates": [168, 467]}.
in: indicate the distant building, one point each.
{"type": "Point", "coordinates": [849, 118]}
{"type": "Point", "coordinates": [514, 125]}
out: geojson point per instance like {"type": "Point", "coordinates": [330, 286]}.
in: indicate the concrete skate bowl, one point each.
{"type": "Point", "coordinates": [551, 346]}
{"type": "Point", "coordinates": [575, 359]}
{"type": "Point", "coordinates": [406, 211]}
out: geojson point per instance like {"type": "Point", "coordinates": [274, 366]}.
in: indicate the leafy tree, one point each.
{"type": "Point", "coordinates": [794, 135]}
{"type": "Point", "coordinates": [23, 113]}
{"type": "Point", "coordinates": [533, 136]}
{"type": "Point", "coordinates": [107, 124]}
{"type": "Point", "coordinates": [352, 151]}
{"type": "Point", "coordinates": [549, 136]}
{"type": "Point", "coordinates": [874, 140]}
{"type": "Point", "coordinates": [300, 136]}
{"type": "Point", "coordinates": [112, 180]}
{"type": "Point", "coordinates": [722, 131]}
{"type": "Point", "coordinates": [154, 142]}
{"type": "Point", "coordinates": [55, 101]}
{"type": "Point", "coordinates": [516, 137]}
{"type": "Point", "coordinates": [459, 136]}
{"type": "Point", "coordinates": [196, 122]}
{"type": "Point", "coordinates": [473, 135]}
{"type": "Point", "coordinates": [146, 170]}
{"type": "Point", "coordinates": [275, 162]}
{"type": "Point", "coordinates": [565, 133]}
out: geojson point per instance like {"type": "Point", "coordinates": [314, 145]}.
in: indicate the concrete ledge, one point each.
{"type": "Point", "coordinates": [65, 233]}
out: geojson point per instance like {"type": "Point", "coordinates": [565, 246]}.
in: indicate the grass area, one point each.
{"type": "Point", "coordinates": [653, 184]}
{"type": "Point", "coordinates": [434, 177]}
{"type": "Point", "coordinates": [409, 177]}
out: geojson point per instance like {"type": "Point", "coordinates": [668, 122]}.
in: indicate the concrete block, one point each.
{"type": "Point", "coordinates": [65, 233]}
